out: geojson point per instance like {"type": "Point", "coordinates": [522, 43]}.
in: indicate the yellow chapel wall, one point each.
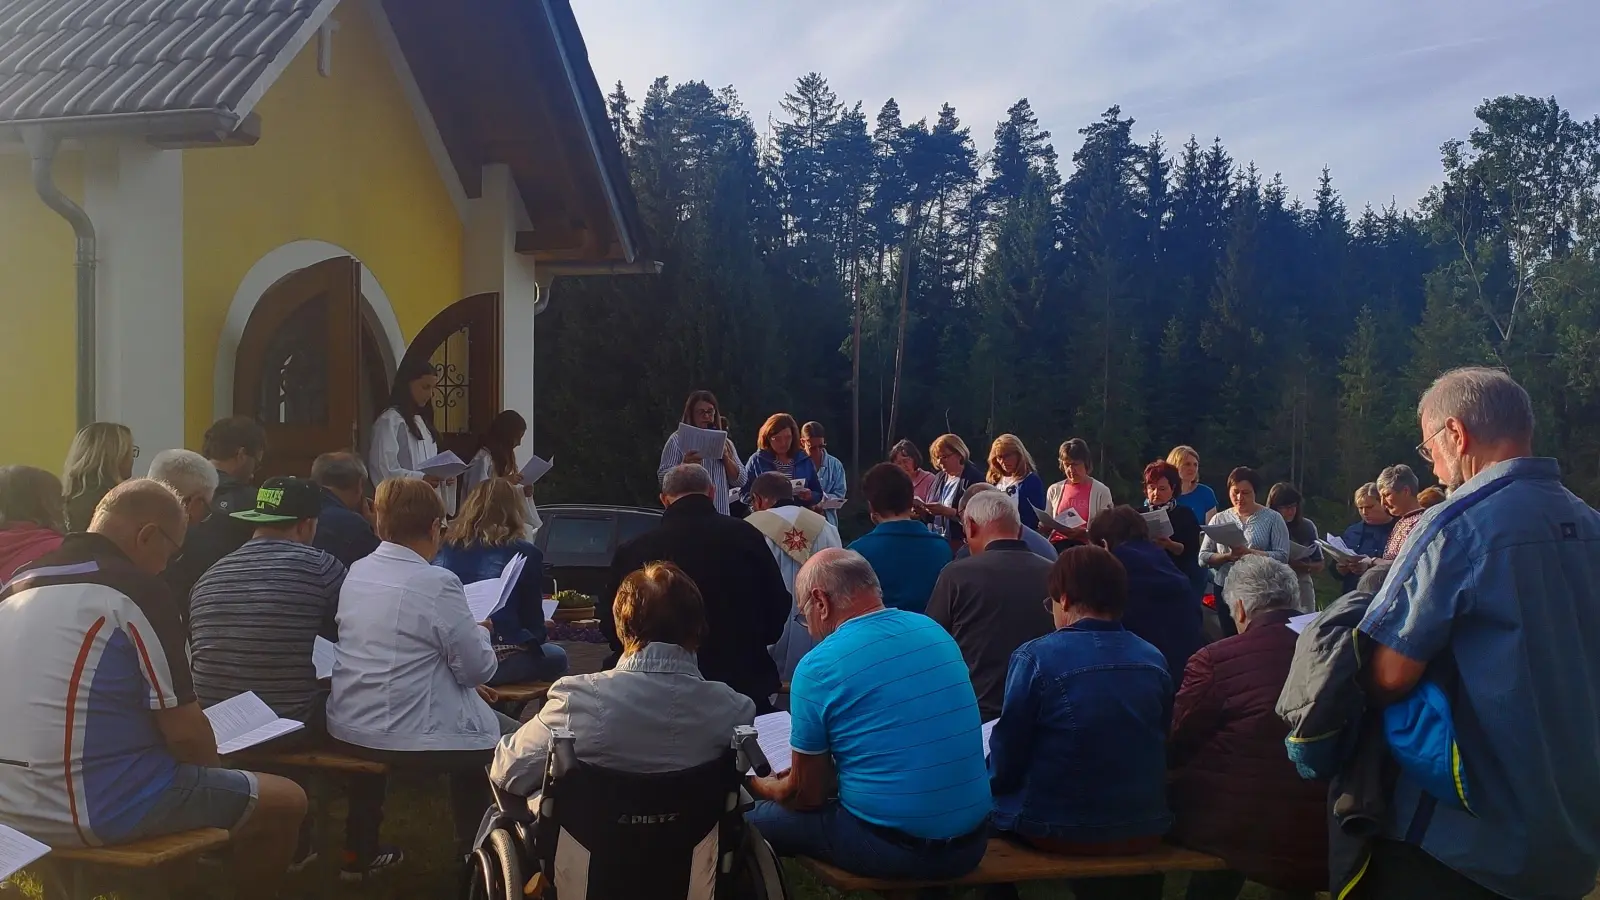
{"type": "Point", "coordinates": [38, 346]}
{"type": "Point", "coordinates": [341, 159]}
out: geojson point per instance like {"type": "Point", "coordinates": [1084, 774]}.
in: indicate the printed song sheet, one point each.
{"type": "Point", "coordinates": [17, 850]}
{"type": "Point", "coordinates": [772, 733]}
{"type": "Point", "coordinates": [1227, 534]}
{"type": "Point", "coordinates": [1160, 523]}
{"type": "Point", "coordinates": [1298, 623]}
{"type": "Point", "coordinates": [988, 732]}
{"type": "Point", "coordinates": [709, 444]}
{"type": "Point", "coordinates": [323, 655]}
{"type": "Point", "coordinates": [484, 598]}
{"type": "Point", "coordinates": [1067, 521]}
{"type": "Point", "coordinates": [245, 721]}
{"type": "Point", "coordinates": [537, 468]}
{"type": "Point", "coordinates": [446, 465]}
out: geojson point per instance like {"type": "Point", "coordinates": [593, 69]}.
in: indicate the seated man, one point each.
{"type": "Point", "coordinates": [234, 447]}
{"type": "Point", "coordinates": [990, 602]}
{"type": "Point", "coordinates": [254, 617]}
{"type": "Point", "coordinates": [1038, 543]}
{"type": "Point", "coordinates": [793, 534]}
{"type": "Point", "coordinates": [906, 555]}
{"type": "Point", "coordinates": [91, 648]}
{"type": "Point", "coordinates": [883, 709]}
{"type": "Point", "coordinates": [653, 712]}
{"type": "Point", "coordinates": [1078, 759]}
{"type": "Point", "coordinates": [1234, 791]}
{"type": "Point", "coordinates": [192, 477]}
{"type": "Point", "coordinates": [345, 527]}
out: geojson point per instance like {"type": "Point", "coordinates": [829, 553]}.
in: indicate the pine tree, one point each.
{"type": "Point", "coordinates": [1364, 403]}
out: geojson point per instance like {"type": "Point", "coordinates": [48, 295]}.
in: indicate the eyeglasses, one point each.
{"type": "Point", "coordinates": [135, 451]}
{"type": "Point", "coordinates": [1426, 452]}
{"type": "Point", "coordinates": [1049, 605]}
{"type": "Point", "coordinates": [177, 546]}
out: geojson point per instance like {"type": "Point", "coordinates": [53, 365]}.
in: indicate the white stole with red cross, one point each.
{"type": "Point", "coordinates": [792, 529]}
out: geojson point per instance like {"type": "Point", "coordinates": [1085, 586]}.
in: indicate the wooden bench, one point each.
{"type": "Point", "coordinates": [138, 864]}
{"type": "Point", "coordinates": [321, 760]}
{"type": "Point", "coordinates": [1006, 862]}
{"type": "Point", "coordinates": [514, 698]}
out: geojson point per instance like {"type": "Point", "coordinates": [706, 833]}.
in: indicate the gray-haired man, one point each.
{"type": "Point", "coordinates": [1494, 600]}
{"type": "Point", "coordinates": [345, 527]}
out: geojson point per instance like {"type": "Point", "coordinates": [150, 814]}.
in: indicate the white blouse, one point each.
{"type": "Point", "coordinates": [481, 469]}
{"type": "Point", "coordinates": [396, 454]}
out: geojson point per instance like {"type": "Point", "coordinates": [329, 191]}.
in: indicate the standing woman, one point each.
{"type": "Point", "coordinates": [908, 458]}
{"type": "Point", "coordinates": [1161, 485]}
{"type": "Point", "coordinates": [779, 451]}
{"type": "Point", "coordinates": [1286, 501]}
{"type": "Point", "coordinates": [1265, 534]}
{"type": "Point", "coordinates": [1078, 491]}
{"type": "Point", "coordinates": [1199, 498]}
{"type": "Point", "coordinates": [497, 458]}
{"type": "Point", "coordinates": [100, 458]}
{"type": "Point", "coordinates": [956, 473]}
{"type": "Point", "coordinates": [1011, 469]}
{"type": "Point", "coordinates": [404, 436]}
{"type": "Point", "coordinates": [701, 410]}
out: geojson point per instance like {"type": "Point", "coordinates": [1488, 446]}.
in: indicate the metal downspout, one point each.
{"type": "Point", "coordinates": [42, 148]}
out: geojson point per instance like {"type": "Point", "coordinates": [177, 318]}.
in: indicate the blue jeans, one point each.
{"type": "Point", "coordinates": [200, 797]}
{"type": "Point", "coordinates": [833, 835]}
{"type": "Point", "coordinates": [546, 663]}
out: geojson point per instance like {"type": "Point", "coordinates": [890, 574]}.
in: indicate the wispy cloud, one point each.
{"type": "Point", "coordinates": [1370, 88]}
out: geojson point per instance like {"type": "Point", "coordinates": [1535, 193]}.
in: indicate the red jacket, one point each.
{"type": "Point", "coordinates": [22, 544]}
{"type": "Point", "coordinates": [1233, 791]}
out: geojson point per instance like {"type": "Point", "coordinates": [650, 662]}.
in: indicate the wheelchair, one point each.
{"type": "Point", "coordinates": [598, 834]}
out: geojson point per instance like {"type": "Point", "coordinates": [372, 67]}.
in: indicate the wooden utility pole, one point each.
{"type": "Point", "coordinates": [907, 258]}
{"type": "Point", "coordinates": [855, 369]}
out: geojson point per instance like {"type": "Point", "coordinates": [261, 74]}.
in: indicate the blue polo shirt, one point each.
{"type": "Point", "coordinates": [907, 558]}
{"type": "Point", "coordinates": [1504, 578]}
{"type": "Point", "coordinates": [889, 697]}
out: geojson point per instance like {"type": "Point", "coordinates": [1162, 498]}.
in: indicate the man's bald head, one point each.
{"type": "Point", "coordinates": [145, 519]}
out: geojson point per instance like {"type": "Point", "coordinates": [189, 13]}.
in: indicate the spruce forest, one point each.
{"type": "Point", "coordinates": [1145, 293]}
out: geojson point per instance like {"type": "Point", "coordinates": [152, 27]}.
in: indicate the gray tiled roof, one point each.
{"type": "Point", "coordinates": [69, 58]}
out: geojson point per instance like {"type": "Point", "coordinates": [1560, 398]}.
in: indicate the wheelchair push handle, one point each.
{"type": "Point", "coordinates": [751, 756]}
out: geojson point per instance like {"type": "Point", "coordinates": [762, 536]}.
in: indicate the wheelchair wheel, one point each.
{"type": "Point", "coordinates": [761, 874]}
{"type": "Point", "coordinates": [495, 869]}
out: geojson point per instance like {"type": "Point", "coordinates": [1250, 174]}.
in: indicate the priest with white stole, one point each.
{"type": "Point", "coordinates": [793, 534]}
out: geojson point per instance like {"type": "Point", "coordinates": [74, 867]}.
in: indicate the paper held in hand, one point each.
{"type": "Point", "coordinates": [324, 653]}
{"type": "Point", "coordinates": [1227, 534]}
{"type": "Point", "coordinates": [444, 466]}
{"type": "Point", "coordinates": [245, 721]}
{"type": "Point", "coordinates": [988, 732]}
{"type": "Point", "coordinates": [831, 503]}
{"type": "Point", "coordinates": [17, 850]}
{"type": "Point", "coordinates": [709, 444]}
{"type": "Point", "coordinates": [772, 733]}
{"type": "Point", "coordinates": [1338, 549]}
{"type": "Point", "coordinates": [1298, 623]}
{"type": "Point", "coordinates": [1067, 521]}
{"type": "Point", "coordinates": [1298, 552]}
{"type": "Point", "coordinates": [550, 607]}
{"type": "Point", "coordinates": [537, 468]}
{"type": "Point", "coordinates": [484, 598]}
{"type": "Point", "coordinates": [1160, 523]}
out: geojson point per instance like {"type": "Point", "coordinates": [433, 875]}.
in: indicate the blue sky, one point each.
{"type": "Point", "coordinates": [1367, 87]}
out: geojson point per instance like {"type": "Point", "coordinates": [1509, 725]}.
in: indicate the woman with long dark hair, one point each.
{"type": "Point", "coordinates": [497, 458]}
{"type": "Point", "coordinates": [404, 436]}
{"type": "Point", "coordinates": [701, 410]}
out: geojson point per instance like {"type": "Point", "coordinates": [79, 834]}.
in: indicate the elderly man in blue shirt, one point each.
{"type": "Point", "coordinates": [1493, 599]}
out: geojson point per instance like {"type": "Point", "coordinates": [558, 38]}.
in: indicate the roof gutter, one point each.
{"type": "Point", "coordinates": [42, 146]}
{"type": "Point", "coordinates": [545, 275]}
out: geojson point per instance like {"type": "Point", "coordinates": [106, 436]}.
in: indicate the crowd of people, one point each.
{"type": "Point", "coordinates": [965, 669]}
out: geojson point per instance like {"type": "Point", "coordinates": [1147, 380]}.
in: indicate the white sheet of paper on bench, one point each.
{"type": "Point", "coordinates": [446, 465]}
{"type": "Point", "coordinates": [1067, 521]}
{"type": "Point", "coordinates": [1227, 534]}
{"type": "Point", "coordinates": [537, 468]}
{"type": "Point", "coordinates": [772, 733]}
{"type": "Point", "coordinates": [1298, 623]}
{"type": "Point", "coordinates": [1160, 523]}
{"type": "Point", "coordinates": [988, 732]}
{"type": "Point", "coordinates": [324, 653]}
{"type": "Point", "coordinates": [244, 721]}
{"type": "Point", "coordinates": [17, 850]}
{"type": "Point", "coordinates": [709, 444]}
{"type": "Point", "coordinates": [484, 598]}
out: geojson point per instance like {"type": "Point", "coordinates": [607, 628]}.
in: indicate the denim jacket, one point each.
{"type": "Point", "coordinates": [1079, 752]}
{"type": "Point", "coordinates": [521, 621]}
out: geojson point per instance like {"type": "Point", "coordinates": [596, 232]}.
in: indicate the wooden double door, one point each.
{"type": "Point", "coordinates": [311, 368]}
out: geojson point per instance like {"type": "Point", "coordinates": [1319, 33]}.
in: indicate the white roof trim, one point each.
{"type": "Point", "coordinates": [297, 42]}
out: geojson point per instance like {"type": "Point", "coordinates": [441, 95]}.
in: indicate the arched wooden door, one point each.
{"type": "Point", "coordinates": [299, 363]}
{"type": "Point", "coordinates": [463, 344]}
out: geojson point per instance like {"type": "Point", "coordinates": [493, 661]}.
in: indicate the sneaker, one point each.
{"type": "Point", "coordinates": [387, 857]}
{"type": "Point", "coordinates": [304, 856]}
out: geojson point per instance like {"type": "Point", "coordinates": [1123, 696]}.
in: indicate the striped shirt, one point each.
{"type": "Point", "coordinates": [253, 618]}
{"type": "Point", "coordinates": [672, 455]}
{"type": "Point", "coordinates": [888, 696]}
{"type": "Point", "coordinates": [1265, 530]}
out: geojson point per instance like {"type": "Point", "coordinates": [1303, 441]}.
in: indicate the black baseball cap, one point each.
{"type": "Point", "coordinates": [284, 499]}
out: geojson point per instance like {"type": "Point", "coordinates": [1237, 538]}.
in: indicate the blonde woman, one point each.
{"type": "Point", "coordinates": [1198, 498]}
{"type": "Point", "coordinates": [101, 457]}
{"type": "Point", "coordinates": [491, 529]}
{"type": "Point", "coordinates": [955, 474]}
{"type": "Point", "coordinates": [1011, 469]}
